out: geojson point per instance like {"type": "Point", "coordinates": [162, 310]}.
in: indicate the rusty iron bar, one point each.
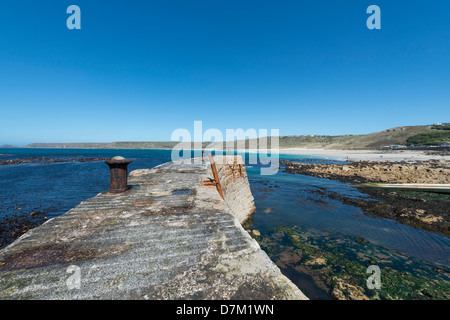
{"type": "Point", "coordinates": [209, 183]}
{"type": "Point", "coordinates": [118, 171]}
{"type": "Point", "coordinates": [240, 167]}
{"type": "Point", "coordinates": [215, 175]}
{"type": "Point", "coordinates": [231, 169]}
{"type": "Point", "coordinates": [235, 168]}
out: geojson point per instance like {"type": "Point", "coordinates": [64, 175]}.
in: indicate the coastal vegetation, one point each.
{"type": "Point", "coordinates": [431, 138]}
{"type": "Point", "coordinates": [445, 126]}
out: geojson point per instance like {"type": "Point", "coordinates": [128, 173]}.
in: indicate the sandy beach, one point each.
{"type": "Point", "coordinates": [368, 155]}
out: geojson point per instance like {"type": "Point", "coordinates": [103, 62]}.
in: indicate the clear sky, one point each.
{"type": "Point", "coordinates": [137, 70]}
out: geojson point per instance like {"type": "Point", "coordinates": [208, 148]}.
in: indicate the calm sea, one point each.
{"type": "Point", "coordinates": [282, 200]}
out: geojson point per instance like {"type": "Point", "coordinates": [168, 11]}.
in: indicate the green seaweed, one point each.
{"type": "Point", "coordinates": [347, 260]}
{"type": "Point", "coordinates": [429, 196]}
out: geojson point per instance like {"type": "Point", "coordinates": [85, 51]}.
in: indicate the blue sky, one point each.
{"type": "Point", "coordinates": [137, 70]}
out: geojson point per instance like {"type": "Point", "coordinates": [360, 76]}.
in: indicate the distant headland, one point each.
{"type": "Point", "coordinates": [416, 136]}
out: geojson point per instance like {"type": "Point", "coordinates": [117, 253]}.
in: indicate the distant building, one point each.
{"type": "Point", "coordinates": [394, 147]}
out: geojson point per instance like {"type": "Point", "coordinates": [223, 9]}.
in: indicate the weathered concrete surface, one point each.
{"type": "Point", "coordinates": [168, 237]}
{"type": "Point", "coordinates": [236, 188]}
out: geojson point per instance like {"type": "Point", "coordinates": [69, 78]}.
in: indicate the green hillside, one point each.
{"type": "Point", "coordinates": [410, 135]}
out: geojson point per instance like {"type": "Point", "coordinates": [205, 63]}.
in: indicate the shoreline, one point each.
{"type": "Point", "coordinates": [368, 155]}
{"type": "Point", "coordinates": [417, 208]}
{"type": "Point", "coordinates": [334, 154]}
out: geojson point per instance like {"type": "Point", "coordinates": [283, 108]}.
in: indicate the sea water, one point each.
{"type": "Point", "coordinates": [282, 200]}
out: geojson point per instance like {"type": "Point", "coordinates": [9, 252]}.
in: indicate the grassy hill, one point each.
{"type": "Point", "coordinates": [410, 135]}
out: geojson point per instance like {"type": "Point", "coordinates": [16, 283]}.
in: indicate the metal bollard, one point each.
{"type": "Point", "coordinates": [118, 171]}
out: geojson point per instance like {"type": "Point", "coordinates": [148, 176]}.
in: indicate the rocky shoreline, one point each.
{"type": "Point", "coordinates": [338, 267]}
{"type": "Point", "coordinates": [372, 172]}
{"type": "Point", "coordinates": [18, 219]}
{"type": "Point", "coordinates": [48, 160]}
{"type": "Point", "coordinates": [422, 210]}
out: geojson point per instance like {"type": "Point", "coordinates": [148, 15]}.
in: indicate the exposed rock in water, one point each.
{"type": "Point", "coordinates": [256, 233]}
{"type": "Point", "coordinates": [386, 172]}
{"type": "Point", "coordinates": [338, 267]}
{"type": "Point", "coordinates": [12, 226]}
{"type": "Point", "coordinates": [48, 160]}
{"type": "Point", "coordinates": [418, 209]}
{"type": "Point", "coordinates": [343, 290]}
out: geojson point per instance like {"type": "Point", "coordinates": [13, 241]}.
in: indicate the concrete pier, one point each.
{"type": "Point", "coordinates": [167, 237]}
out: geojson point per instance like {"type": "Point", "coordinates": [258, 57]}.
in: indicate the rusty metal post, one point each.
{"type": "Point", "coordinates": [215, 174]}
{"type": "Point", "coordinates": [118, 168]}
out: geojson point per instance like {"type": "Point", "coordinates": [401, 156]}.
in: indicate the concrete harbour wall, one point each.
{"type": "Point", "coordinates": [168, 237]}
{"type": "Point", "coordinates": [236, 188]}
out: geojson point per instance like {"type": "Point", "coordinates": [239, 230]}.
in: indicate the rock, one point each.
{"type": "Point", "coordinates": [256, 233]}
{"type": "Point", "coordinates": [431, 219]}
{"type": "Point", "coordinates": [394, 172]}
{"type": "Point", "coordinates": [316, 262]}
{"type": "Point", "coordinates": [346, 291]}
